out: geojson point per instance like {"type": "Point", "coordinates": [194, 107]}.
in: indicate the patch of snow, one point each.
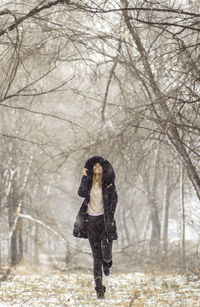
{"type": "Point", "coordinates": [77, 289]}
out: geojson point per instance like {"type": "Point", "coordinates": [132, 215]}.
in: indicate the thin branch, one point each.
{"type": "Point", "coordinates": [173, 11]}
{"type": "Point", "coordinates": [43, 114]}
{"type": "Point", "coordinates": [109, 80]}
{"type": "Point", "coordinates": [169, 24]}
{"type": "Point", "coordinates": [33, 12]}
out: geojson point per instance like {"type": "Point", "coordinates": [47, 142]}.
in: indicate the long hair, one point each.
{"type": "Point", "coordinates": [99, 181]}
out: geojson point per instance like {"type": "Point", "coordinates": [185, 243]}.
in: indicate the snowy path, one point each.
{"type": "Point", "coordinates": [73, 289]}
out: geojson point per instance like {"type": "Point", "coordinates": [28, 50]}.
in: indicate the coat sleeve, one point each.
{"type": "Point", "coordinates": [84, 187]}
{"type": "Point", "coordinates": [113, 198]}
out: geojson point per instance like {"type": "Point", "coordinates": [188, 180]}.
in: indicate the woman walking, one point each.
{"type": "Point", "coordinates": [100, 200]}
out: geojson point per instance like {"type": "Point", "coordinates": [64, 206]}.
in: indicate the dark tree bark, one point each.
{"type": "Point", "coordinates": [166, 214]}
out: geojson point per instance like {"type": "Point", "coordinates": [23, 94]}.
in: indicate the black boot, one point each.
{"type": "Point", "coordinates": [106, 267]}
{"type": "Point", "coordinates": [100, 291]}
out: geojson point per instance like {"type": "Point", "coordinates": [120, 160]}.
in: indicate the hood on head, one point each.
{"type": "Point", "coordinates": [108, 171]}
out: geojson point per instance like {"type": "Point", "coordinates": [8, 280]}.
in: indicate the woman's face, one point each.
{"type": "Point", "coordinates": [98, 169]}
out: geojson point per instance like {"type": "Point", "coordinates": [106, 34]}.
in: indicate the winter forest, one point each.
{"type": "Point", "coordinates": [115, 78]}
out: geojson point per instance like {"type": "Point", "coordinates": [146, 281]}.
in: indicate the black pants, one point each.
{"type": "Point", "coordinates": [100, 245]}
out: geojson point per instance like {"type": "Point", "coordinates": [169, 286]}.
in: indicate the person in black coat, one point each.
{"type": "Point", "coordinates": [100, 200]}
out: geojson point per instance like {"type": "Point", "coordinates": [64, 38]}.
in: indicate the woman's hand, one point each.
{"type": "Point", "coordinates": [85, 171]}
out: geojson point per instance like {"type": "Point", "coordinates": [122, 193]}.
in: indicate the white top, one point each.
{"type": "Point", "coordinates": [95, 206]}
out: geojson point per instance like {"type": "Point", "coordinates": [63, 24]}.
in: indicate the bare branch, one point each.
{"type": "Point", "coordinates": [43, 114]}
{"type": "Point", "coordinates": [33, 12]}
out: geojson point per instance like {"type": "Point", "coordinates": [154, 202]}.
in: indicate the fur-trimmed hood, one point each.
{"type": "Point", "coordinates": [108, 171]}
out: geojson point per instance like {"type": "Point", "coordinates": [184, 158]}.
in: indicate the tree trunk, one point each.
{"type": "Point", "coordinates": [165, 118]}
{"type": "Point", "coordinates": [36, 250]}
{"type": "Point", "coordinates": [134, 223]}
{"type": "Point", "coordinates": [12, 201]}
{"type": "Point", "coordinates": [182, 207]}
{"type": "Point", "coordinates": [166, 215]}
{"type": "Point", "coordinates": [13, 249]}
{"type": "Point", "coordinates": [145, 233]}
{"type": "Point", "coordinates": [125, 226]}
{"type": "Point", "coordinates": [123, 237]}
{"type": "Point", "coordinates": [155, 230]}
{"type": "Point", "coordinates": [155, 221]}
{"type": "Point", "coordinates": [20, 241]}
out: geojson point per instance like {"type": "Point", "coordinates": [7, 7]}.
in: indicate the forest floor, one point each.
{"type": "Point", "coordinates": [24, 287]}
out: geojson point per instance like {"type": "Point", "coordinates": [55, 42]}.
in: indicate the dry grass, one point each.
{"type": "Point", "coordinates": [26, 286]}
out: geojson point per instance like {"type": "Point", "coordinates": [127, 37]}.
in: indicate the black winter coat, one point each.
{"type": "Point", "coordinates": [109, 193]}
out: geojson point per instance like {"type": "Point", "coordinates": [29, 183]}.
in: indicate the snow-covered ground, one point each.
{"type": "Point", "coordinates": [52, 288]}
